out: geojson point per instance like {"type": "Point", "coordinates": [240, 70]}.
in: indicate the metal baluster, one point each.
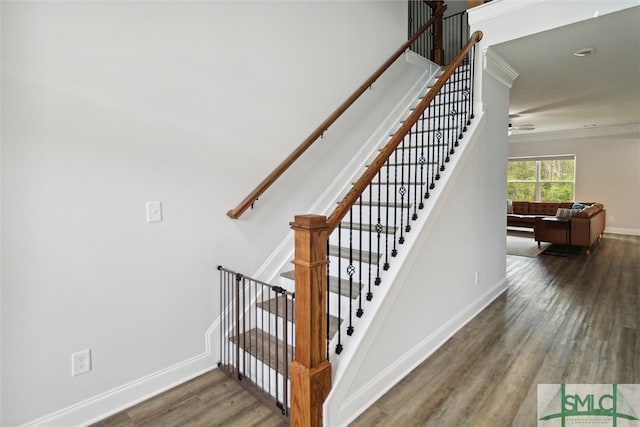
{"type": "Point", "coordinates": [286, 359]}
{"type": "Point", "coordinates": [370, 233]}
{"type": "Point", "coordinates": [350, 271]}
{"type": "Point", "coordinates": [403, 187]}
{"type": "Point", "coordinates": [472, 64]}
{"type": "Point", "coordinates": [422, 160]}
{"type": "Point", "coordinates": [448, 109]}
{"type": "Point", "coordinates": [394, 251]}
{"type": "Point", "coordinates": [415, 170]}
{"type": "Point", "coordinates": [339, 344]}
{"type": "Point", "coordinates": [359, 312]}
{"type": "Point", "coordinates": [328, 307]}
{"type": "Point", "coordinates": [238, 279]}
{"type": "Point", "coordinates": [412, 136]}
{"type": "Point", "coordinates": [459, 104]}
{"type": "Point", "coordinates": [430, 139]}
{"type": "Point", "coordinates": [223, 305]}
{"type": "Point", "coordinates": [378, 229]}
{"type": "Point", "coordinates": [450, 112]}
{"type": "Point", "coordinates": [438, 138]}
{"type": "Point", "coordinates": [265, 313]}
{"type": "Point", "coordinates": [386, 238]}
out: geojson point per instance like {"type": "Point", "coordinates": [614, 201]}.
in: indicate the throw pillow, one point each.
{"type": "Point", "coordinates": [564, 213]}
{"type": "Point", "coordinates": [577, 205]}
{"type": "Point", "coordinates": [509, 206]}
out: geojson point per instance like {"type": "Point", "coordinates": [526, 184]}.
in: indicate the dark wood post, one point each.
{"type": "Point", "coordinates": [438, 51]}
{"type": "Point", "coordinates": [310, 370]}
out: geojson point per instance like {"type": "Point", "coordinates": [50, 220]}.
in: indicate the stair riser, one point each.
{"type": "Point", "coordinates": [392, 214]}
{"type": "Point", "coordinates": [444, 120]}
{"type": "Point", "coordinates": [260, 373]}
{"type": "Point", "coordinates": [344, 300]}
{"type": "Point", "coordinates": [365, 243]}
{"type": "Point", "coordinates": [275, 325]}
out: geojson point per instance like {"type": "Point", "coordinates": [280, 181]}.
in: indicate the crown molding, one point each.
{"type": "Point", "coordinates": [499, 68]}
{"type": "Point", "coordinates": [632, 129]}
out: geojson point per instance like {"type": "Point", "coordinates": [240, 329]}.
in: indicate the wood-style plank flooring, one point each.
{"type": "Point", "coordinates": [569, 319]}
{"type": "Point", "coordinates": [212, 399]}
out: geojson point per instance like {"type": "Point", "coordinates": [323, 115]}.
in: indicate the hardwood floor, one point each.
{"type": "Point", "coordinates": [212, 399]}
{"type": "Point", "coordinates": [569, 319]}
{"type": "Point", "coordinates": [562, 320]}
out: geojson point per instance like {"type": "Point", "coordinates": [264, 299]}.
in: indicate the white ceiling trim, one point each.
{"type": "Point", "coordinates": [628, 129]}
{"type": "Point", "coordinates": [499, 68]}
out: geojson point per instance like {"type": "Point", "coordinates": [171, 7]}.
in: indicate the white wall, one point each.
{"type": "Point", "coordinates": [108, 105]}
{"type": "Point", "coordinates": [607, 170]}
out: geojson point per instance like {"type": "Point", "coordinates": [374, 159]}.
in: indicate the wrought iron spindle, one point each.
{"type": "Point", "coordinates": [415, 184]}
{"type": "Point", "coordinates": [417, 168]}
{"type": "Point", "coordinates": [328, 305]}
{"type": "Point", "coordinates": [430, 148]}
{"type": "Point", "coordinates": [350, 271]}
{"type": "Point", "coordinates": [403, 185]}
{"type": "Point", "coordinates": [283, 402]}
{"type": "Point", "coordinates": [424, 181]}
{"type": "Point", "coordinates": [359, 312]}
{"type": "Point", "coordinates": [471, 57]}
{"type": "Point", "coordinates": [339, 280]}
{"type": "Point", "coordinates": [459, 104]}
{"type": "Point", "coordinates": [394, 251]}
{"type": "Point", "coordinates": [386, 238]}
{"type": "Point", "coordinates": [237, 329]}
{"type": "Point", "coordinates": [369, 294]}
{"type": "Point", "coordinates": [379, 227]}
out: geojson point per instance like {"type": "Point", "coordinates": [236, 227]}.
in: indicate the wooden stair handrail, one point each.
{"type": "Point", "coordinates": [236, 212]}
{"type": "Point", "coordinates": [372, 170]}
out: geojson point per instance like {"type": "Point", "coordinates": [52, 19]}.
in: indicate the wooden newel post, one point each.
{"type": "Point", "coordinates": [310, 370]}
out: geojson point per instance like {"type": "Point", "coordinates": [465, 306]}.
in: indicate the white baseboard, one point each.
{"type": "Point", "coordinates": [627, 231]}
{"type": "Point", "coordinates": [381, 383]}
{"type": "Point", "coordinates": [117, 399]}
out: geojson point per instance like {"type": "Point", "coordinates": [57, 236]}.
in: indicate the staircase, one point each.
{"type": "Point", "coordinates": [258, 318]}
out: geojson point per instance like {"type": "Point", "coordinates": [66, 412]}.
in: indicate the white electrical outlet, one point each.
{"type": "Point", "coordinates": [154, 212]}
{"type": "Point", "coordinates": [80, 362]}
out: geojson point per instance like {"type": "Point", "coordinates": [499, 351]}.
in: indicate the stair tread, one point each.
{"type": "Point", "coordinates": [333, 285]}
{"type": "Point", "coordinates": [265, 347]}
{"type": "Point", "coordinates": [276, 306]}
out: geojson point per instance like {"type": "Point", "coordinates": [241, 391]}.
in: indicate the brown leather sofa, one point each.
{"type": "Point", "coordinates": [583, 230]}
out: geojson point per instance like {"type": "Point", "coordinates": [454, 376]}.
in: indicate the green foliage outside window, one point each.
{"type": "Point", "coordinates": [548, 180]}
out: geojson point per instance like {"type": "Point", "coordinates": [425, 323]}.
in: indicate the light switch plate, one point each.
{"type": "Point", "coordinates": [154, 212]}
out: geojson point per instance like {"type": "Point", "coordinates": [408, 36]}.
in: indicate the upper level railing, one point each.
{"type": "Point", "coordinates": [253, 196]}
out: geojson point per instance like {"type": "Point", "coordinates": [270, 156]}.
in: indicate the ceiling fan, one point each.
{"type": "Point", "coordinates": [526, 126]}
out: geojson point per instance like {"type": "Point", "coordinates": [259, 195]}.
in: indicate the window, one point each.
{"type": "Point", "coordinates": [541, 179]}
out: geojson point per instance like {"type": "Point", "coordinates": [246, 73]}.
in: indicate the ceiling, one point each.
{"type": "Point", "coordinates": [557, 91]}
